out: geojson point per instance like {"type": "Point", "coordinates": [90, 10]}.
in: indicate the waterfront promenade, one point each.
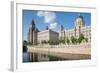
{"type": "Point", "coordinates": [70, 52]}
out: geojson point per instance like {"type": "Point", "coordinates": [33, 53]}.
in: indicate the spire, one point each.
{"type": "Point", "coordinates": [62, 28]}
{"type": "Point", "coordinates": [32, 24]}
{"type": "Point", "coordinates": [79, 16]}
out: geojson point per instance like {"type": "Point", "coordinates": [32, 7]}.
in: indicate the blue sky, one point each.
{"type": "Point", "coordinates": [51, 19]}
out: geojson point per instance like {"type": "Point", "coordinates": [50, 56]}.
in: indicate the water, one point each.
{"type": "Point", "coordinates": [35, 57]}
{"type": "Point", "coordinates": [25, 57]}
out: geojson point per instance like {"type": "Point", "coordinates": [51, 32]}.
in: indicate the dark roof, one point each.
{"type": "Point", "coordinates": [80, 17]}
{"type": "Point", "coordinates": [32, 22]}
{"type": "Point", "coordinates": [36, 30]}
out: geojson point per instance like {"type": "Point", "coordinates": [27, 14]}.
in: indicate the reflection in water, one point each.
{"type": "Point", "coordinates": [25, 57]}
{"type": "Point", "coordinates": [25, 53]}
{"type": "Point", "coordinates": [34, 57]}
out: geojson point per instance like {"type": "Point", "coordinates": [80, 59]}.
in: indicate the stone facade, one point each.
{"type": "Point", "coordinates": [79, 28]}
{"type": "Point", "coordinates": [35, 36]}
{"type": "Point", "coordinates": [32, 34]}
{"type": "Point", "coordinates": [47, 35]}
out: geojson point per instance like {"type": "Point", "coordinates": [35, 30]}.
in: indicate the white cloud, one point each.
{"type": "Point", "coordinates": [40, 13]}
{"type": "Point", "coordinates": [53, 25]}
{"type": "Point", "coordinates": [49, 18]}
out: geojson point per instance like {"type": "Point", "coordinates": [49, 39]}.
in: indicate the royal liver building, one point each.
{"type": "Point", "coordinates": [35, 36]}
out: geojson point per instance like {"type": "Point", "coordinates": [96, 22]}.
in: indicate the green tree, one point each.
{"type": "Point", "coordinates": [43, 41]}
{"type": "Point", "coordinates": [73, 40]}
{"type": "Point", "coordinates": [25, 43]}
{"type": "Point", "coordinates": [81, 38]}
{"type": "Point", "coordinates": [62, 40]}
{"type": "Point", "coordinates": [53, 42]}
{"type": "Point", "coordinates": [67, 40]}
{"type": "Point", "coordinates": [25, 46]}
